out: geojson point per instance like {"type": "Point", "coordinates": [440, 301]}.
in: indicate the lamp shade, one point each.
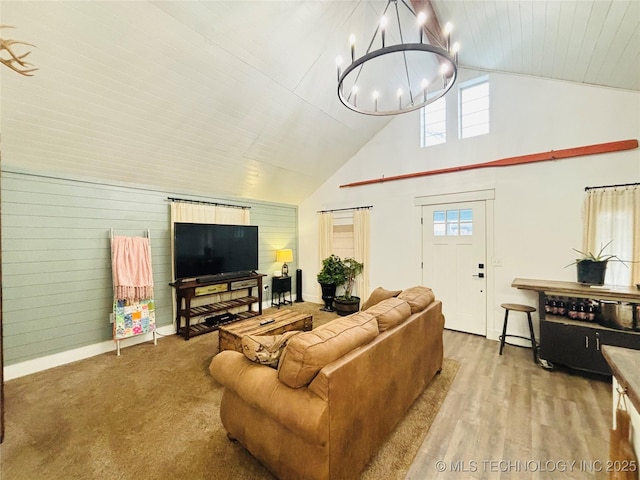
{"type": "Point", "coordinates": [285, 255]}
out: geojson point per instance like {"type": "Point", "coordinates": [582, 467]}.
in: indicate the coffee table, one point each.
{"type": "Point", "coordinates": [230, 336]}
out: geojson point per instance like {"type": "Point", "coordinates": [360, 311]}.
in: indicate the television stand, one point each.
{"type": "Point", "coordinates": [215, 297]}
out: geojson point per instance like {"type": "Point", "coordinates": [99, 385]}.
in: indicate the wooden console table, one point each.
{"type": "Point", "coordinates": [577, 343]}
{"type": "Point", "coordinates": [217, 312]}
{"type": "Point", "coordinates": [230, 336]}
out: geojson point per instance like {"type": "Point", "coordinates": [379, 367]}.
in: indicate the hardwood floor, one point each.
{"type": "Point", "coordinates": [508, 418]}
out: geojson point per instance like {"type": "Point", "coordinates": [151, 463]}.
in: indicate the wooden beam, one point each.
{"type": "Point", "coordinates": [509, 161]}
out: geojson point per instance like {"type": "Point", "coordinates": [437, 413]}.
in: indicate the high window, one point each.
{"type": "Point", "coordinates": [474, 109]}
{"type": "Point", "coordinates": [433, 123]}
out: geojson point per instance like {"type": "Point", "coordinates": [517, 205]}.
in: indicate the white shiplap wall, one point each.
{"type": "Point", "coordinates": [56, 257]}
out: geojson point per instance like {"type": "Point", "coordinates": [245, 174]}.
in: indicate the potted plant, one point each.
{"type": "Point", "coordinates": [330, 277]}
{"type": "Point", "coordinates": [347, 303]}
{"type": "Point", "coordinates": [592, 268]}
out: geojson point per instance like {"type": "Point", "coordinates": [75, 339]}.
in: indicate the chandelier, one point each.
{"type": "Point", "coordinates": [406, 72]}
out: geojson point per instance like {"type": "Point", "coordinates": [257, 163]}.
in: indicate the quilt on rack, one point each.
{"type": "Point", "coordinates": [133, 318]}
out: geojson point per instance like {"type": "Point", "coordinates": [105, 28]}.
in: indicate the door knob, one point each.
{"type": "Point", "coordinates": [480, 275]}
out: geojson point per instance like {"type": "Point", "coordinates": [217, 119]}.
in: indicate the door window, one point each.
{"type": "Point", "coordinates": [453, 222]}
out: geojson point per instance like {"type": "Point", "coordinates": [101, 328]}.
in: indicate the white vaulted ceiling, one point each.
{"type": "Point", "coordinates": [593, 42]}
{"type": "Point", "coordinates": [238, 98]}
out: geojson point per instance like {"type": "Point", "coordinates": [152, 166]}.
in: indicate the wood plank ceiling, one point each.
{"type": "Point", "coordinates": [237, 98]}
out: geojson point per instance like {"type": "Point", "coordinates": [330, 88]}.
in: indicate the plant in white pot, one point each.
{"type": "Point", "coordinates": [348, 303]}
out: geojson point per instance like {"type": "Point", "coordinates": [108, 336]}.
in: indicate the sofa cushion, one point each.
{"type": "Point", "coordinates": [390, 312]}
{"type": "Point", "coordinates": [308, 352]}
{"type": "Point", "coordinates": [378, 295]}
{"type": "Point", "coordinates": [417, 297]}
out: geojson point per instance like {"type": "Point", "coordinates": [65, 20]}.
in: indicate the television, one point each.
{"type": "Point", "coordinates": [205, 250]}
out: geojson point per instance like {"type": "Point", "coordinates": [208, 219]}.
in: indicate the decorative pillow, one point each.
{"type": "Point", "coordinates": [378, 295]}
{"type": "Point", "coordinates": [390, 312]}
{"type": "Point", "coordinates": [308, 352]}
{"type": "Point", "coordinates": [418, 297]}
{"type": "Point", "coordinates": [266, 349]}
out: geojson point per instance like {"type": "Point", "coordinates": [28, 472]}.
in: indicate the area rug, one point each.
{"type": "Point", "coordinates": [152, 413]}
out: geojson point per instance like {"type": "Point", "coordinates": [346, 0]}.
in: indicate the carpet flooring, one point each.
{"type": "Point", "coordinates": [152, 413]}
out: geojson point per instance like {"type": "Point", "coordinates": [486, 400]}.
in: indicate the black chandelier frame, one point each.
{"type": "Point", "coordinates": [445, 57]}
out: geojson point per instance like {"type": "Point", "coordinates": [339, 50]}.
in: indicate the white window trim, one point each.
{"type": "Point", "coordinates": [462, 86]}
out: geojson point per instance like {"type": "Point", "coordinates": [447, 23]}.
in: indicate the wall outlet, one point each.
{"type": "Point", "coordinates": [496, 261]}
{"type": "Point", "coordinates": [111, 319]}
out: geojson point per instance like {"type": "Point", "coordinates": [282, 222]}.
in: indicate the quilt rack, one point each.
{"type": "Point", "coordinates": [133, 316]}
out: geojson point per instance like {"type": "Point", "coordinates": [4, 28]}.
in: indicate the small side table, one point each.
{"type": "Point", "coordinates": [280, 286]}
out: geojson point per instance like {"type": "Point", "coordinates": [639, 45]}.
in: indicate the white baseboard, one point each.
{"type": "Point", "coordinates": [43, 363]}
{"type": "Point", "coordinates": [313, 299]}
{"type": "Point", "coordinates": [494, 334]}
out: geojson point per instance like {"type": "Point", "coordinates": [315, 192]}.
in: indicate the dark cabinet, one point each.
{"type": "Point", "coordinates": [574, 345]}
{"type": "Point", "coordinates": [577, 343]}
{"type": "Point", "coordinates": [280, 286]}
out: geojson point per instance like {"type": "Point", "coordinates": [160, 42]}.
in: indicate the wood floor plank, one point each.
{"type": "Point", "coordinates": [508, 418]}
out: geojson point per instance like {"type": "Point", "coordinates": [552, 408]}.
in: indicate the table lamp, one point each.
{"type": "Point", "coordinates": [284, 256]}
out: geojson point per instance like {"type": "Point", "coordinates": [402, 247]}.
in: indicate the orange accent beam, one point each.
{"type": "Point", "coordinates": [505, 162]}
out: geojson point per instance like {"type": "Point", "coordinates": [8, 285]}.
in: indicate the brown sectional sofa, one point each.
{"type": "Point", "coordinates": [339, 389]}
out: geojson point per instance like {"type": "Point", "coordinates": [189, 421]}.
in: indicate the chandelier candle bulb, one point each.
{"type": "Point", "coordinates": [422, 18]}
{"type": "Point", "coordinates": [424, 84]}
{"type": "Point", "coordinates": [352, 43]}
{"type": "Point", "coordinates": [443, 72]}
{"type": "Point", "coordinates": [447, 31]}
{"type": "Point", "coordinates": [383, 26]}
{"type": "Point", "coordinates": [456, 48]}
{"type": "Point", "coordinates": [338, 64]}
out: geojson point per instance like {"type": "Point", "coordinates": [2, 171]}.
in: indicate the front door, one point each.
{"type": "Point", "coordinates": [454, 262]}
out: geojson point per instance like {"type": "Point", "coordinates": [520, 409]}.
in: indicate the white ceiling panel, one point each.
{"type": "Point", "coordinates": [595, 42]}
{"type": "Point", "coordinates": [236, 97]}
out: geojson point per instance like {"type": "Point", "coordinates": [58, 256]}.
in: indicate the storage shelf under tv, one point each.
{"type": "Point", "coordinates": [210, 290]}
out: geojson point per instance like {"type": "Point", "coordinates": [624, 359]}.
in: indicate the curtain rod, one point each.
{"type": "Point", "coordinates": [344, 209]}
{"type": "Point", "coordinates": [202, 202]}
{"type": "Point", "coordinates": [586, 189]}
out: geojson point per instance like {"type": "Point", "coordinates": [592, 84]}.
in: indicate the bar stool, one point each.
{"type": "Point", "coordinates": [516, 307]}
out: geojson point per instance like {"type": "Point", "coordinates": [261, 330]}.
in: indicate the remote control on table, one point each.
{"type": "Point", "coordinates": [266, 322]}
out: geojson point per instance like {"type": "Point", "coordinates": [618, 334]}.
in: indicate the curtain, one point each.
{"type": "Point", "coordinates": [613, 215]}
{"type": "Point", "coordinates": [203, 213]}
{"type": "Point", "coordinates": [361, 250]}
{"type": "Point", "coordinates": [325, 240]}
